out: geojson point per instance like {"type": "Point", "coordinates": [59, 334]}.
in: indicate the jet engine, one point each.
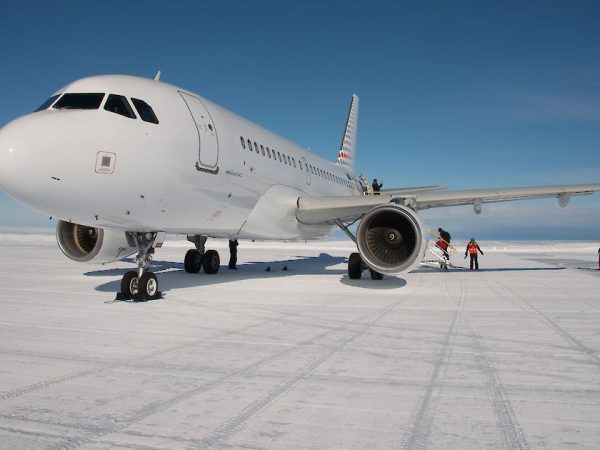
{"type": "Point", "coordinates": [90, 244]}
{"type": "Point", "coordinates": [390, 239]}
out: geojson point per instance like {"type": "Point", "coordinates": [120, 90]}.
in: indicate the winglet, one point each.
{"type": "Point", "coordinates": [347, 149]}
{"type": "Point", "coordinates": [157, 76]}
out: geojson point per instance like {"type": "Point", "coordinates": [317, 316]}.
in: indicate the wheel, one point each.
{"type": "Point", "coordinates": [211, 262]}
{"type": "Point", "coordinates": [376, 275]}
{"type": "Point", "coordinates": [148, 286]}
{"type": "Point", "coordinates": [129, 285]}
{"type": "Point", "coordinates": [354, 266]}
{"type": "Point", "coordinates": [192, 261]}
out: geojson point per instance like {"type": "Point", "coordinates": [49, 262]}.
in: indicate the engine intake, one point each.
{"type": "Point", "coordinates": [390, 239]}
{"type": "Point", "coordinates": [90, 244]}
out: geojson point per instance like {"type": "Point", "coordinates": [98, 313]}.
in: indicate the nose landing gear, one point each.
{"type": "Point", "coordinates": [143, 284]}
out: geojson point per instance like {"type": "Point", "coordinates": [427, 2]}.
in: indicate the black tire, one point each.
{"type": "Point", "coordinates": [211, 262]}
{"type": "Point", "coordinates": [192, 261]}
{"type": "Point", "coordinates": [129, 285]}
{"type": "Point", "coordinates": [355, 266]}
{"type": "Point", "coordinates": [375, 275]}
{"type": "Point", "coordinates": [148, 289]}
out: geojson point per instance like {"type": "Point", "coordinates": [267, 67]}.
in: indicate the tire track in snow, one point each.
{"type": "Point", "coordinates": [16, 392]}
{"type": "Point", "coordinates": [421, 423]}
{"type": "Point", "coordinates": [591, 354]}
{"type": "Point", "coordinates": [233, 425]}
{"type": "Point", "coordinates": [237, 423]}
{"type": "Point", "coordinates": [506, 419]}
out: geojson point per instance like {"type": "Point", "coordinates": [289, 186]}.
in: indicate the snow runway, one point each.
{"type": "Point", "coordinates": [508, 357]}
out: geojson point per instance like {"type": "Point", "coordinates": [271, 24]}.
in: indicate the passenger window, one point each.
{"type": "Point", "coordinates": [119, 105]}
{"type": "Point", "coordinates": [144, 110]}
{"type": "Point", "coordinates": [262, 150]}
{"type": "Point", "coordinates": [279, 156]}
{"type": "Point", "coordinates": [249, 145]}
{"type": "Point", "coordinates": [256, 147]}
{"type": "Point", "coordinates": [47, 103]}
{"type": "Point", "coordinates": [284, 160]}
{"type": "Point", "coordinates": [243, 142]}
{"type": "Point", "coordinates": [289, 161]}
{"type": "Point", "coordinates": [294, 162]}
{"type": "Point", "coordinates": [79, 101]}
{"type": "Point", "coordinates": [268, 153]}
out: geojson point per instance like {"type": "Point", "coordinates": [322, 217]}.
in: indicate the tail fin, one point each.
{"type": "Point", "coordinates": [348, 147]}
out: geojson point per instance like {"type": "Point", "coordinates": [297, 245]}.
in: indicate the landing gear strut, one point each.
{"type": "Point", "coordinates": [143, 284]}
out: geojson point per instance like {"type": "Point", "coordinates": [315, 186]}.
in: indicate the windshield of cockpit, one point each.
{"type": "Point", "coordinates": [117, 104]}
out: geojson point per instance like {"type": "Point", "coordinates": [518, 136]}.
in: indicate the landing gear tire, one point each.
{"type": "Point", "coordinates": [130, 285]}
{"type": "Point", "coordinates": [355, 266]}
{"type": "Point", "coordinates": [376, 275]}
{"type": "Point", "coordinates": [211, 262]}
{"type": "Point", "coordinates": [192, 261]}
{"type": "Point", "coordinates": [148, 287]}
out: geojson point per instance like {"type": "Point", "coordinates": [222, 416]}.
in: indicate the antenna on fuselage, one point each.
{"type": "Point", "coordinates": [157, 76]}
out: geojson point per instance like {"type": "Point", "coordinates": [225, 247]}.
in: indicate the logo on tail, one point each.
{"type": "Point", "coordinates": [348, 147]}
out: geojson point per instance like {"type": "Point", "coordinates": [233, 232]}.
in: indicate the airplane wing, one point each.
{"type": "Point", "coordinates": [412, 190]}
{"type": "Point", "coordinates": [311, 210]}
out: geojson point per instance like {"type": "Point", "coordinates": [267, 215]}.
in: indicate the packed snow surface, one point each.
{"type": "Point", "coordinates": [506, 357]}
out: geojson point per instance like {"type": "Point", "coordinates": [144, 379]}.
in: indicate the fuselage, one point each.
{"type": "Point", "coordinates": [103, 161]}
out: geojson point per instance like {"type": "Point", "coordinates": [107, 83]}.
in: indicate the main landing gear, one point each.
{"type": "Point", "coordinates": [356, 265]}
{"type": "Point", "coordinates": [143, 284]}
{"type": "Point", "coordinates": [198, 258]}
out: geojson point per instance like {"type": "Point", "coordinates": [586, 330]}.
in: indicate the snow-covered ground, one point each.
{"type": "Point", "coordinates": [507, 357]}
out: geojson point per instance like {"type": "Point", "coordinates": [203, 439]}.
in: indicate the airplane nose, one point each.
{"type": "Point", "coordinates": [24, 166]}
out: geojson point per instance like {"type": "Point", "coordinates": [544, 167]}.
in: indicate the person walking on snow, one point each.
{"type": "Point", "coordinates": [472, 249]}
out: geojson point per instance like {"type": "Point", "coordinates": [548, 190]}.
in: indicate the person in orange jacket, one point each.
{"type": "Point", "coordinates": [472, 249]}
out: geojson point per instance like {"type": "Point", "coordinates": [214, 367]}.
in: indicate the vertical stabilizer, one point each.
{"type": "Point", "coordinates": [348, 147]}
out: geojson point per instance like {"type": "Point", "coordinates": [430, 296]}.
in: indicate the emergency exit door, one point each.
{"type": "Point", "coordinates": [208, 144]}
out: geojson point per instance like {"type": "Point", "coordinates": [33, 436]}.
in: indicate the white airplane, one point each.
{"type": "Point", "coordinates": [121, 160]}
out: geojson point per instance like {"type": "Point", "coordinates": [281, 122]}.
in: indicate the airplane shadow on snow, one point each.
{"type": "Point", "coordinates": [173, 276]}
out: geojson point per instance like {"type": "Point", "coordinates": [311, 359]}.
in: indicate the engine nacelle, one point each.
{"type": "Point", "coordinates": [390, 239]}
{"type": "Point", "coordinates": [90, 244]}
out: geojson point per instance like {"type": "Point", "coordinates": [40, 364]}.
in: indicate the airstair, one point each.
{"type": "Point", "coordinates": [435, 255]}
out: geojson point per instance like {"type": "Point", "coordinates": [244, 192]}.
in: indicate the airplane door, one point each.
{"type": "Point", "coordinates": [208, 144]}
{"type": "Point", "coordinates": [306, 169]}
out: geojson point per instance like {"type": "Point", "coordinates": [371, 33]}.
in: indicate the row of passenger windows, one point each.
{"type": "Point", "coordinates": [260, 149]}
{"type": "Point", "coordinates": [117, 104]}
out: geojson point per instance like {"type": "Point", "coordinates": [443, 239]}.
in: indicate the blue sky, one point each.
{"type": "Point", "coordinates": [465, 94]}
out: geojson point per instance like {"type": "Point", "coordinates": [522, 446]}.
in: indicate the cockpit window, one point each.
{"type": "Point", "coordinates": [47, 103]}
{"type": "Point", "coordinates": [119, 105]}
{"type": "Point", "coordinates": [145, 111]}
{"type": "Point", "coordinates": [79, 101]}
